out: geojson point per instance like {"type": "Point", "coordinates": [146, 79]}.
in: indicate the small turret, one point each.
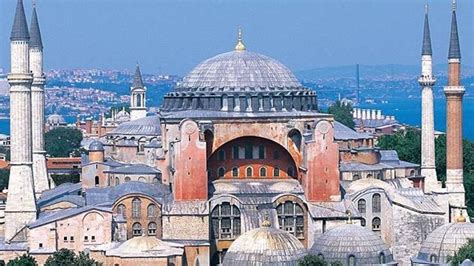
{"type": "Point", "coordinates": [138, 97]}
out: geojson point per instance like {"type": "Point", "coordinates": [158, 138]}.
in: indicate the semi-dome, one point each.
{"type": "Point", "coordinates": [148, 246]}
{"type": "Point", "coordinates": [265, 246]}
{"type": "Point", "coordinates": [444, 241]}
{"type": "Point", "coordinates": [147, 126]}
{"type": "Point", "coordinates": [240, 81]}
{"type": "Point", "coordinates": [55, 119]}
{"type": "Point", "coordinates": [96, 146]}
{"type": "Point", "coordinates": [351, 242]}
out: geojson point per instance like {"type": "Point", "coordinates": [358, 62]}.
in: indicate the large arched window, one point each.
{"type": "Point", "coordinates": [249, 171]}
{"type": "Point", "coordinates": [263, 172]}
{"type": "Point", "coordinates": [137, 229]}
{"type": "Point", "coordinates": [152, 229]}
{"type": "Point", "coordinates": [351, 261]}
{"type": "Point", "coordinates": [151, 211]}
{"type": "Point", "coordinates": [291, 218]}
{"type": "Point", "coordinates": [235, 172]}
{"type": "Point", "coordinates": [221, 171]}
{"type": "Point", "coordinates": [382, 258]}
{"type": "Point", "coordinates": [376, 203]}
{"type": "Point", "coordinates": [136, 205]}
{"type": "Point", "coordinates": [121, 210]}
{"type": "Point", "coordinates": [226, 221]}
{"type": "Point", "coordinates": [221, 155]}
{"type": "Point", "coordinates": [295, 137]}
{"type": "Point", "coordinates": [361, 206]}
{"type": "Point", "coordinates": [376, 224]}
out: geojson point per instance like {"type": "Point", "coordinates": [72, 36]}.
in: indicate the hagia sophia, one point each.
{"type": "Point", "coordinates": [238, 167]}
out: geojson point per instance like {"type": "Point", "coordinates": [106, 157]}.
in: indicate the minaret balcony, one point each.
{"type": "Point", "coordinates": [426, 81]}
{"type": "Point", "coordinates": [454, 90]}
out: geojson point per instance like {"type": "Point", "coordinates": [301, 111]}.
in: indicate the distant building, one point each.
{"type": "Point", "coordinates": [373, 122]}
{"type": "Point", "coordinates": [54, 121]}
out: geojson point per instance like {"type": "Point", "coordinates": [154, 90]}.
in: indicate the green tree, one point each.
{"type": "Point", "coordinates": [84, 260]}
{"type": "Point", "coordinates": [61, 257]}
{"type": "Point", "coordinates": [406, 143]}
{"type": "Point", "coordinates": [465, 252]}
{"type": "Point", "coordinates": [342, 113]}
{"type": "Point", "coordinates": [63, 142]}
{"type": "Point", "coordinates": [312, 260]}
{"type": "Point", "coordinates": [24, 260]}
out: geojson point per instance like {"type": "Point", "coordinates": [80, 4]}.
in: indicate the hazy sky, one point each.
{"type": "Point", "coordinates": [173, 36]}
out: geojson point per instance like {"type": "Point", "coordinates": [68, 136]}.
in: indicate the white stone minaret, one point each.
{"type": "Point", "coordinates": [138, 97]}
{"type": "Point", "coordinates": [40, 172]}
{"type": "Point", "coordinates": [21, 205]}
{"type": "Point", "coordinates": [427, 81]}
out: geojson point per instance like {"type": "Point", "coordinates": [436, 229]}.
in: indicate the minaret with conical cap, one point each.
{"type": "Point", "coordinates": [40, 173]}
{"type": "Point", "coordinates": [138, 97]}
{"type": "Point", "coordinates": [21, 206]}
{"type": "Point", "coordinates": [454, 93]}
{"type": "Point", "coordinates": [427, 81]}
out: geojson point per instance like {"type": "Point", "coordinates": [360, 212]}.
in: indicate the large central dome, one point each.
{"type": "Point", "coordinates": [239, 70]}
{"type": "Point", "coordinates": [240, 81]}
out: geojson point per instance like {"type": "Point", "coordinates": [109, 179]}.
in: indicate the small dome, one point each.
{"type": "Point", "coordinates": [343, 242]}
{"type": "Point", "coordinates": [265, 246]}
{"type": "Point", "coordinates": [96, 146]}
{"type": "Point", "coordinates": [55, 119]}
{"type": "Point", "coordinates": [147, 126]}
{"type": "Point", "coordinates": [122, 116]}
{"type": "Point", "coordinates": [444, 241]}
{"type": "Point", "coordinates": [149, 246]}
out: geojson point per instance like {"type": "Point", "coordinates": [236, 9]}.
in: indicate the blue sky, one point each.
{"type": "Point", "coordinates": [174, 36]}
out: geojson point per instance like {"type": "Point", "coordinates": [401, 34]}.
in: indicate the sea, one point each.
{"type": "Point", "coordinates": [405, 110]}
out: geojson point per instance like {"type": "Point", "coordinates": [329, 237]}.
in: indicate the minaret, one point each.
{"type": "Point", "coordinates": [427, 81]}
{"type": "Point", "coordinates": [454, 93]}
{"type": "Point", "coordinates": [138, 97]}
{"type": "Point", "coordinates": [40, 173]}
{"type": "Point", "coordinates": [21, 206]}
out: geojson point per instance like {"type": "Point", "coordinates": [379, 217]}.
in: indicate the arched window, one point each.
{"type": "Point", "coordinates": [249, 171]}
{"type": "Point", "coordinates": [235, 172]}
{"type": "Point", "coordinates": [221, 155]}
{"type": "Point", "coordinates": [235, 152]}
{"type": "Point", "coordinates": [263, 172]}
{"type": "Point", "coordinates": [381, 258]}
{"type": "Point", "coordinates": [355, 177]}
{"type": "Point", "coordinates": [291, 171]}
{"type": "Point", "coordinates": [379, 176]}
{"type": "Point", "coordinates": [351, 261]}
{"type": "Point", "coordinates": [291, 218]}
{"type": "Point", "coordinates": [361, 206]}
{"type": "Point", "coordinates": [295, 136]}
{"type": "Point", "coordinates": [376, 224]}
{"type": "Point", "coordinates": [142, 179]}
{"type": "Point", "coordinates": [370, 176]}
{"type": "Point", "coordinates": [117, 181]}
{"type": "Point", "coordinates": [121, 210]}
{"type": "Point", "coordinates": [276, 171]}
{"type": "Point", "coordinates": [141, 145]}
{"type": "Point", "coordinates": [137, 229]}
{"type": "Point", "coordinates": [433, 258]}
{"type": "Point", "coordinates": [221, 171]}
{"type": "Point", "coordinates": [226, 221]}
{"type": "Point", "coordinates": [151, 211]}
{"type": "Point", "coordinates": [156, 180]}
{"type": "Point", "coordinates": [412, 173]}
{"type": "Point", "coordinates": [127, 179]}
{"type": "Point", "coordinates": [152, 229]}
{"type": "Point", "coordinates": [376, 203]}
{"type": "Point", "coordinates": [136, 205]}
{"type": "Point", "coordinates": [362, 222]}
{"type": "Point", "coordinates": [261, 152]}
{"type": "Point", "coordinates": [96, 181]}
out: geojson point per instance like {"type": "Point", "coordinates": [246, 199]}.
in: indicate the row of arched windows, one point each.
{"type": "Point", "coordinates": [116, 181]}
{"type": "Point", "coordinates": [376, 204]}
{"type": "Point", "coordinates": [249, 171]}
{"type": "Point", "coordinates": [357, 176]}
{"type": "Point", "coordinates": [351, 259]}
{"type": "Point", "coordinates": [376, 223]}
{"type": "Point", "coordinates": [136, 209]}
{"type": "Point", "coordinates": [226, 220]}
{"type": "Point", "coordinates": [138, 231]}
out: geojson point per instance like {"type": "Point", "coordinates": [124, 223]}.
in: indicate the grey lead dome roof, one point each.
{"type": "Point", "coordinates": [445, 240]}
{"type": "Point", "coordinates": [340, 242]}
{"type": "Point", "coordinates": [147, 126]}
{"type": "Point", "coordinates": [239, 70]}
{"type": "Point", "coordinates": [265, 246]}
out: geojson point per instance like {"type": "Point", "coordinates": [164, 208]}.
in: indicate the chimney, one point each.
{"type": "Point", "coordinates": [379, 114]}
{"type": "Point", "coordinates": [363, 117]}
{"type": "Point", "coordinates": [374, 114]}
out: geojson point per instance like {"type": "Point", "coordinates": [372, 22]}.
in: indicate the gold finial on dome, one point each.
{"type": "Point", "coordinates": [460, 218]}
{"type": "Point", "coordinates": [266, 221]}
{"type": "Point", "coordinates": [240, 46]}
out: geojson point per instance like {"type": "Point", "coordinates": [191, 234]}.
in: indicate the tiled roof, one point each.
{"type": "Point", "coordinates": [133, 169]}
{"type": "Point", "coordinates": [46, 218]}
{"type": "Point", "coordinates": [147, 126]}
{"type": "Point", "coordinates": [342, 132]}
{"type": "Point", "coordinates": [59, 191]}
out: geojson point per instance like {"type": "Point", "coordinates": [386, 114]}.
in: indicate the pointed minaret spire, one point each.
{"type": "Point", "coordinates": [426, 50]}
{"type": "Point", "coordinates": [454, 49]}
{"type": "Point", "coordinates": [20, 26]}
{"type": "Point", "coordinates": [137, 80]}
{"type": "Point", "coordinates": [35, 33]}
